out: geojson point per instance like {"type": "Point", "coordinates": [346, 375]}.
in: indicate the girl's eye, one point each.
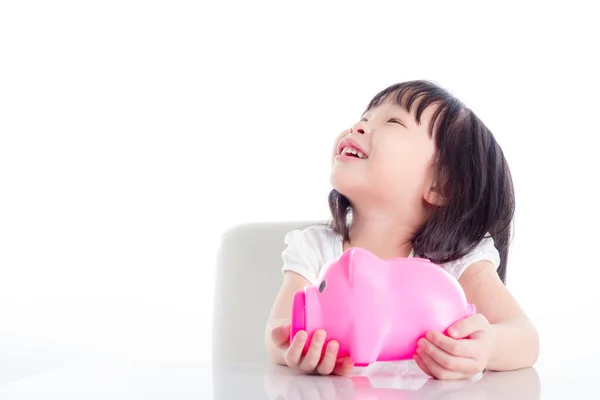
{"type": "Point", "coordinates": [396, 121]}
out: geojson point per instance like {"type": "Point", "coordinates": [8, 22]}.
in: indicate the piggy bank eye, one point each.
{"type": "Point", "coordinates": [322, 286]}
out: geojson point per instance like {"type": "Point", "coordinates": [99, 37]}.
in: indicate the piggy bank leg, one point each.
{"type": "Point", "coordinates": [364, 355]}
{"type": "Point", "coordinates": [367, 344]}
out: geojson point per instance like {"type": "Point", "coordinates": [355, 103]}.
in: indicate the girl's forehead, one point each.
{"type": "Point", "coordinates": [391, 105]}
{"type": "Point", "coordinates": [386, 105]}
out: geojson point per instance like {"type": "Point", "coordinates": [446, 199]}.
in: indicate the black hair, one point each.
{"type": "Point", "coordinates": [470, 167]}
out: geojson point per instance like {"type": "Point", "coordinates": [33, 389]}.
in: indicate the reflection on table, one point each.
{"type": "Point", "coordinates": [119, 378]}
{"type": "Point", "coordinates": [398, 381]}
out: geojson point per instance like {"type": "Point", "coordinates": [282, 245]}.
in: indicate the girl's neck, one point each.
{"type": "Point", "coordinates": [381, 235]}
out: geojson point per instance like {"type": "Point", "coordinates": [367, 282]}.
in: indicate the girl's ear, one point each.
{"type": "Point", "coordinates": [434, 193]}
{"type": "Point", "coordinates": [434, 196]}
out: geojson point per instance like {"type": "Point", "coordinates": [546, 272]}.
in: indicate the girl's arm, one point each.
{"type": "Point", "coordinates": [515, 339]}
{"type": "Point", "coordinates": [280, 314]}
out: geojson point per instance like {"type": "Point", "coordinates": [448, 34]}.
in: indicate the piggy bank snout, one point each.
{"type": "Point", "coordinates": [298, 317]}
{"type": "Point", "coordinates": [312, 302]}
{"type": "Point", "coordinates": [306, 310]}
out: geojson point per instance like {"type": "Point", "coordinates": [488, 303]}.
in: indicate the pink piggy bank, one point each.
{"type": "Point", "coordinates": [378, 309]}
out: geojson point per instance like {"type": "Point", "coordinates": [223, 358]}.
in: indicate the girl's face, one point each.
{"type": "Point", "coordinates": [393, 164]}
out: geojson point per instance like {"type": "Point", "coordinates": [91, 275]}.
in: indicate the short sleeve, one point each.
{"type": "Point", "coordinates": [485, 250]}
{"type": "Point", "coordinates": [301, 256]}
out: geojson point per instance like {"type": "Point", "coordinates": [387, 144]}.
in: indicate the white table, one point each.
{"type": "Point", "coordinates": [104, 377]}
{"type": "Point", "coordinates": [37, 370]}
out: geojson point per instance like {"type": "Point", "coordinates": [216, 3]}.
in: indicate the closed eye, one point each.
{"type": "Point", "coordinates": [396, 121]}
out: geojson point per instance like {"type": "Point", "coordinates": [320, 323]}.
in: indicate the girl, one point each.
{"type": "Point", "coordinates": [418, 175]}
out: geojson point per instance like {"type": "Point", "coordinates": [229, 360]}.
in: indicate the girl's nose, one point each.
{"type": "Point", "coordinates": [359, 127]}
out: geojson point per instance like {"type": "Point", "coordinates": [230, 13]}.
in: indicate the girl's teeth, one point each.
{"type": "Point", "coordinates": [349, 150]}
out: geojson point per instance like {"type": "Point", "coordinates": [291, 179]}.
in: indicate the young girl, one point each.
{"type": "Point", "coordinates": [419, 175]}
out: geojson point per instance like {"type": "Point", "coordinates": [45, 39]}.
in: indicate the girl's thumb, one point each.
{"type": "Point", "coordinates": [281, 335]}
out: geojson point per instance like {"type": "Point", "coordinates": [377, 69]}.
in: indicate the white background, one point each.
{"type": "Point", "coordinates": [134, 133]}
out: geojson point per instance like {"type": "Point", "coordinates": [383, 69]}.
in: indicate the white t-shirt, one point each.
{"type": "Point", "coordinates": [310, 251]}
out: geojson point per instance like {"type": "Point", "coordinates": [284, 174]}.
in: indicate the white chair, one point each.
{"type": "Point", "coordinates": [248, 277]}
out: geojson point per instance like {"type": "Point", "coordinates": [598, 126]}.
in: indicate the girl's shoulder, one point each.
{"type": "Point", "coordinates": [484, 251]}
{"type": "Point", "coordinates": [309, 249]}
{"type": "Point", "coordinates": [315, 235]}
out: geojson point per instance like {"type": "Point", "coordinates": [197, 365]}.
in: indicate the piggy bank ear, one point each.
{"type": "Point", "coordinates": [361, 265]}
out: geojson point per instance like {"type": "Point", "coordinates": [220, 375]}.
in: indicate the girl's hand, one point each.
{"type": "Point", "coordinates": [315, 361]}
{"type": "Point", "coordinates": [461, 356]}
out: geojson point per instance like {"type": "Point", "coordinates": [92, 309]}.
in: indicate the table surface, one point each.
{"type": "Point", "coordinates": [115, 378]}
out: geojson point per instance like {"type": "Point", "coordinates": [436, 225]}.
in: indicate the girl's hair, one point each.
{"type": "Point", "coordinates": [471, 170]}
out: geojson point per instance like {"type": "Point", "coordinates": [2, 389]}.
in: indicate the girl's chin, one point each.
{"type": "Point", "coordinates": [348, 186]}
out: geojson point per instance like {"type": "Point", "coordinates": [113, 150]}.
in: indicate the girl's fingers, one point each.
{"type": "Point", "coordinates": [459, 348]}
{"type": "Point", "coordinates": [316, 360]}
{"type": "Point", "coordinates": [447, 360]}
{"type": "Point", "coordinates": [468, 326]}
{"type": "Point", "coordinates": [281, 336]}
{"type": "Point", "coordinates": [422, 365]}
{"type": "Point", "coordinates": [343, 367]}
{"type": "Point", "coordinates": [327, 363]}
{"type": "Point", "coordinates": [311, 360]}
{"type": "Point", "coordinates": [436, 369]}
{"type": "Point", "coordinates": [294, 353]}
